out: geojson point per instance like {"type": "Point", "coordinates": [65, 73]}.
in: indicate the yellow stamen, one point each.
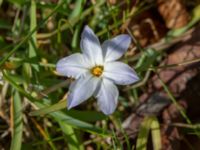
{"type": "Point", "coordinates": [97, 71]}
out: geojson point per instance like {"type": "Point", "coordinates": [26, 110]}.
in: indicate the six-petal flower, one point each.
{"type": "Point", "coordinates": [96, 70]}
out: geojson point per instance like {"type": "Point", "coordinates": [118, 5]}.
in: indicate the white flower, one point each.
{"type": "Point", "coordinates": [96, 70]}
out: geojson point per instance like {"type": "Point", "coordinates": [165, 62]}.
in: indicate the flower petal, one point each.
{"type": "Point", "coordinates": [120, 73]}
{"type": "Point", "coordinates": [113, 49]}
{"type": "Point", "coordinates": [82, 89]}
{"type": "Point", "coordinates": [90, 46]}
{"type": "Point", "coordinates": [72, 66]}
{"type": "Point", "coordinates": [107, 97]}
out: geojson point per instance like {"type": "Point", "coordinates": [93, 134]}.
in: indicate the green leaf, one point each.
{"type": "Point", "coordinates": [17, 2]}
{"type": "Point", "coordinates": [63, 117]}
{"type": "Point", "coordinates": [27, 72]}
{"type": "Point", "coordinates": [73, 141]}
{"type": "Point", "coordinates": [72, 21]}
{"type": "Point", "coordinates": [17, 79]}
{"type": "Point", "coordinates": [149, 123]}
{"type": "Point", "coordinates": [58, 114]}
{"type": "Point", "coordinates": [81, 115]}
{"type": "Point", "coordinates": [155, 132]}
{"type": "Point", "coordinates": [49, 109]}
{"type": "Point", "coordinates": [144, 130]}
{"type": "Point", "coordinates": [18, 124]}
{"type": "Point", "coordinates": [33, 24]}
{"type": "Point", "coordinates": [4, 24]}
{"type": "Point", "coordinates": [1, 1]}
{"type": "Point", "coordinates": [76, 36]}
{"type": "Point", "coordinates": [147, 59]}
{"type": "Point", "coordinates": [77, 10]}
{"type": "Point", "coordinates": [4, 59]}
{"type": "Point", "coordinates": [33, 40]}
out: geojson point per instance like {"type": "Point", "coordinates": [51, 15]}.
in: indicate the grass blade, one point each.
{"type": "Point", "coordinates": [58, 114]}
{"type": "Point", "coordinates": [17, 122]}
{"type": "Point", "coordinates": [73, 141]}
{"type": "Point", "coordinates": [82, 115]}
{"type": "Point", "coordinates": [33, 40]}
{"type": "Point", "coordinates": [155, 132]}
{"type": "Point", "coordinates": [77, 10]}
{"type": "Point", "coordinates": [143, 134]}
{"type": "Point", "coordinates": [44, 134]}
{"type": "Point", "coordinates": [28, 36]}
{"type": "Point", "coordinates": [149, 123]}
{"type": "Point", "coordinates": [33, 24]}
{"type": "Point", "coordinates": [58, 106]}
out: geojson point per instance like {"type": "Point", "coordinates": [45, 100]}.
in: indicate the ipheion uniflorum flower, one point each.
{"type": "Point", "coordinates": [96, 71]}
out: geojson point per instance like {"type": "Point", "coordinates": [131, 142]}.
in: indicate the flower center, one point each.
{"type": "Point", "coordinates": [97, 71]}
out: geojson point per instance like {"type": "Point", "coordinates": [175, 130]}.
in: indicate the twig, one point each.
{"type": "Point", "coordinates": [176, 65]}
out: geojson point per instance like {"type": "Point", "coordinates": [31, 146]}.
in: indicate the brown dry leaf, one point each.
{"type": "Point", "coordinates": [180, 80]}
{"type": "Point", "coordinates": [146, 28]}
{"type": "Point", "coordinates": [171, 137]}
{"type": "Point", "coordinates": [174, 13]}
{"type": "Point", "coordinates": [183, 83]}
{"type": "Point", "coordinates": [176, 78]}
{"type": "Point", "coordinates": [112, 2]}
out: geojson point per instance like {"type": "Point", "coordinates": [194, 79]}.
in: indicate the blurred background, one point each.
{"type": "Point", "coordinates": [161, 111]}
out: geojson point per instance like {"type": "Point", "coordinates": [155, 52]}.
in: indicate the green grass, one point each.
{"type": "Point", "coordinates": [34, 37]}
